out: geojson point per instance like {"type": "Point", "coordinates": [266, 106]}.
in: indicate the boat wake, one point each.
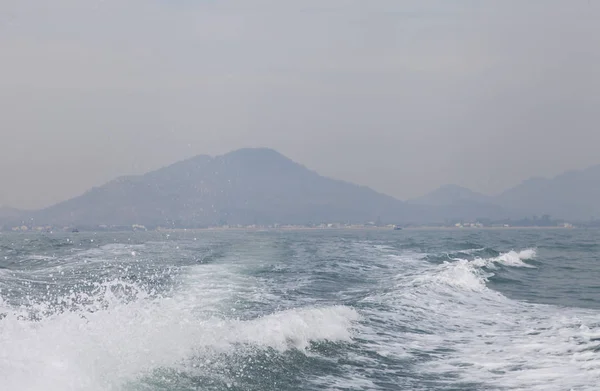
{"type": "Point", "coordinates": [457, 329]}
{"type": "Point", "coordinates": [119, 334]}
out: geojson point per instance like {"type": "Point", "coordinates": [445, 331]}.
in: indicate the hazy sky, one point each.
{"type": "Point", "coordinates": [402, 96]}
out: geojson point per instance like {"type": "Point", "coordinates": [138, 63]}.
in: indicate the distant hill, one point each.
{"type": "Point", "coordinates": [261, 186]}
{"type": "Point", "coordinates": [248, 186]}
{"type": "Point", "coordinates": [573, 195]}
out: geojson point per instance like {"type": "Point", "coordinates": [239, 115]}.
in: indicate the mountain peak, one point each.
{"type": "Point", "coordinates": [246, 186]}
{"type": "Point", "coordinates": [571, 195]}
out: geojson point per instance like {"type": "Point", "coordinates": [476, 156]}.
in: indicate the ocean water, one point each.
{"type": "Point", "coordinates": [303, 310]}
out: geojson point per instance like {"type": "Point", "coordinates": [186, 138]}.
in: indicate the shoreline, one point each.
{"type": "Point", "coordinates": [298, 229]}
{"type": "Point", "coordinates": [424, 228]}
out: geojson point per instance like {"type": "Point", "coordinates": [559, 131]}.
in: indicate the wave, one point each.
{"type": "Point", "coordinates": [470, 274]}
{"type": "Point", "coordinates": [515, 259]}
{"type": "Point", "coordinates": [120, 332]}
{"type": "Point", "coordinates": [473, 334]}
{"type": "Point", "coordinates": [418, 318]}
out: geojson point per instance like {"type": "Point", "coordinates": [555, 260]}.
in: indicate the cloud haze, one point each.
{"type": "Point", "coordinates": [402, 96]}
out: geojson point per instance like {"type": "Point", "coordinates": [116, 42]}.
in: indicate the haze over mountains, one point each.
{"type": "Point", "coordinates": [573, 195]}
{"type": "Point", "coordinates": [248, 186]}
{"type": "Point", "coordinates": [261, 186]}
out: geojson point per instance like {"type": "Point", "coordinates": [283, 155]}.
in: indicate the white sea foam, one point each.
{"type": "Point", "coordinates": [475, 334]}
{"type": "Point", "coordinates": [511, 259]}
{"type": "Point", "coordinates": [515, 259]}
{"type": "Point", "coordinates": [445, 312]}
{"type": "Point", "coordinates": [121, 332]}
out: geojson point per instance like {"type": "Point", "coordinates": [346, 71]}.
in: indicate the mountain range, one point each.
{"type": "Point", "coordinates": [248, 186]}
{"type": "Point", "coordinates": [573, 195]}
{"type": "Point", "coordinates": [261, 186]}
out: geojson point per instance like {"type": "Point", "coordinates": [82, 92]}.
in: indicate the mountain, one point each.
{"type": "Point", "coordinates": [573, 195]}
{"type": "Point", "coordinates": [261, 186]}
{"type": "Point", "coordinates": [248, 186]}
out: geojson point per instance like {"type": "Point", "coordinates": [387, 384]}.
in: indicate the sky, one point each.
{"type": "Point", "coordinates": [402, 96]}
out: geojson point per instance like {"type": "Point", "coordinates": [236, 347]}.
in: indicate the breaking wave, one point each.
{"type": "Point", "coordinates": [476, 335]}
{"type": "Point", "coordinates": [119, 332]}
{"type": "Point", "coordinates": [294, 311]}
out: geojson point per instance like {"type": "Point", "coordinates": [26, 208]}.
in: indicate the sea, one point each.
{"type": "Point", "coordinates": [470, 309]}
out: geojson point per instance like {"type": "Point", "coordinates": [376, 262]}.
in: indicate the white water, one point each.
{"type": "Point", "coordinates": [477, 335]}
{"type": "Point", "coordinates": [109, 338]}
{"type": "Point", "coordinates": [121, 332]}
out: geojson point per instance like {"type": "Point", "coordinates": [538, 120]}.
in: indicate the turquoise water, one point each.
{"type": "Point", "coordinates": [304, 310]}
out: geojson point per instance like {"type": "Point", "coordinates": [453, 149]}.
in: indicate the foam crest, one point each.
{"type": "Point", "coordinates": [461, 274]}
{"type": "Point", "coordinates": [469, 275]}
{"type": "Point", "coordinates": [101, 340]}
{"type": "Point", "coordinates": [297, 328]}
{"type": "Point", "coordinates": [515, 259]}
{"type": "Point", "coordinates": [475, 335]}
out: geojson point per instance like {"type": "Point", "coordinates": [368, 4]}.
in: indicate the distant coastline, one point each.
{"type": "Point", "coordinates": [261, 187]}
{"type": "Point", "coordinates": [297, 228]}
